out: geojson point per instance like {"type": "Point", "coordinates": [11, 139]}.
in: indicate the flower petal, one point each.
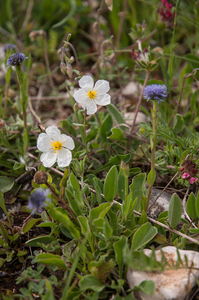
{"type": "Point", "coordinates": [48, 158]}
{"type": "Point", "coordinates": [90, 105]}
{"type": "Point", "coordinates": [53, 132]}
{"type": "Point", "coordinates": [103, 99]}
{"type": "Point", "coordinates": [80, 95]}
{"type": "Point", "coordinates": [102, 86]}
{"type": "Point", "coordinates": [67, 142]}
{"type": "Point", "coordinates": [43, 142]}
{"type": "Point", "coordinates": [86, 82]}
{"type": "Point", "coordinates": [64, 157]}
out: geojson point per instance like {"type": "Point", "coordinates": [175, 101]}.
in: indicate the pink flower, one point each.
{"type": "Point", "coordinates": [192, 180]}
{"type": "Point", "coordinates": [165, 13]}
{"type": "Point", "coordinates": [185, 175]}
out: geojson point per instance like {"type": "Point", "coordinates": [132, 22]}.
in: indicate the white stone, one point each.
{"type": "Point", "coordinates": [170, 284]}
{"type": "Point", "coordinates": [132, 89]}
{"type": "Point", "coordinates": [141, 117]}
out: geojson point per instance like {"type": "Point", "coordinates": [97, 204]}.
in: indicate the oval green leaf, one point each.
{"type": "Point", "coordinates": [52, 260]}
{"type": "Point", "coordinates": [175, 210]}
{"type": "Point", "coordinates": [143, 235]}
{"type": "Point", "coordinates": [45, 239]}
{"type": "Point", "coordinates": [92, 283]}
{"type": "Point", "coordinates": [191, 206]}
{"type": "Point", "coordinates": [111, 184]}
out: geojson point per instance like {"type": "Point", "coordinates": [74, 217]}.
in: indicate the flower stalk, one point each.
{"type": "Point", "coordinates": [153, 147]}
{"type": "Point", "coordinates": [157, 93]}
{"type": "Point", "coordinates": [23, 100]}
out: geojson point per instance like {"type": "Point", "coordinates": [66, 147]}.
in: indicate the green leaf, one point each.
{"type": "Point", "coordinates": [73, 201]}
{"type": "Point", "coordinates": [29, 224]}
{"type": "Point", "coordinates": [119, 247]}
{"type": "Point", "coordinates": [92, 283]}
{"type": "Point", "coordinates": [191, 206]}
{"type": "Point", "coordinates": [60, 214]}
{"type": "Point", "coordinates": [113, 161]}
{"type": "Point", "coordinates": [45, 239]}
{"type": "Point", "coordinates": [154, 81]}
{"type": "Point", "coordinates": [49, 291]}
{"type": "Point", "coordinates": [117, 134]}
{"type": "Point", "coordinates": [2, 260]}
{"type": "Point", "coordinates": [137, 188]}
{"type": "Point", "coordinates": [151, 177]}
{"type": "Point", "coordinates": [146, 286]}
{"type": "Point", "coordinates": [111, 184]}
{"type": "Point", "coordinates": [52, 260]}
{"type": "Point", "coordinates": [104, 227]}
{"type": "Point", "coordinates": [143, 235]}
{"type": "Point", "coordinates": [106, 127]}
{"type": "Point", "coordinates": [98, 212]}
{"type": "Point", "coordinates": [121, 185]}
{"type": "Point", "coordinates": [178, 123]}
{"type": "Point", "coordinates": [197, 204]}
{"type": "Point", "coordinates": [22, 253]}
{"type": "Point", "coordinates": [85, 229]}
{"type": "Point", "coordinates": [74, 182]}
{"type": "Point", "coordinates": [2, 205]}
{"type": "Point", "coordinates": [175, 210]}
{"type": "Point", "coordinates": [6, 184]}
{"type": "Point", "coordinates": [115, 114]}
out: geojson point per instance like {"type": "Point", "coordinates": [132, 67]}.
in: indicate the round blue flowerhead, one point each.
{"type": "Point", "coordinates": [8, 47]}
{"type": "Point", "coordinates": [15, 59]}
{"type": "Point", "coordinates": [37, 200]}
{"type": "Point", "coordinates": [155, 92]}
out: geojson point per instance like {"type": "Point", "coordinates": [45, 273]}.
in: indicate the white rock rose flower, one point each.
{"type": "Point", "coordinates": [55, 147]}
{"type": "Point", "coordinates": [90, 95]}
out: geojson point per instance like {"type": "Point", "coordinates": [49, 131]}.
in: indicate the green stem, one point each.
{"type": "Point", "coordinates": [153, 147]}
{"type": "Point", "coordinates": [171, 59]}
{"type": "Point", "coordinates": [85, 131]}
{"type": "Point", "coordinates": [137, 107]}
{"type": "Point", "coordinates": [23, 100]}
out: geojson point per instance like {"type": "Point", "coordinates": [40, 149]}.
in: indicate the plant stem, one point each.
{"type": "Point", "coordinates": [122, 16]}
{"type": "Point", "coordinates": [47, 61]}
{"type": "Point", "coordinates": [75, 54]}
{"type": "Point", "coordinates": [138, 106]}
{"type": "Point", "coordinates": [153, 147]}
{"type": "Point", "coordinates": [23, 100]}
{"type": "Point", "coordinates": [171, 59]}
{"type": "Point", "coordinates": [85, 130]}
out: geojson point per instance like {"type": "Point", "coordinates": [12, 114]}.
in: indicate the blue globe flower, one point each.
{"type": "Point", "coordinates": [8, 47]}
{"type": "Point", "coordinates": [16, 59]}
{"type": "Point", "coordinates": [155, 92]}
{"type": "Point", "coordinates": [37, 200]}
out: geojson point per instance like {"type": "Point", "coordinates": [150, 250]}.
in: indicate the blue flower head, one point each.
{"type": "Point", "coordinates": [8, 47]}
{"type": "Point", "coordinates": [155, 92]}
{"type": "Point", "coordinates": [15, 59]}
{"type": "Point", "coordinates": [37, 200]}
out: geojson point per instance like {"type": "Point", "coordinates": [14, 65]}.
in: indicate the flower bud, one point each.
{"type": "Point", "coordinates": [63, 67]}
{"type": "Point", "coordinates": [69, 70]}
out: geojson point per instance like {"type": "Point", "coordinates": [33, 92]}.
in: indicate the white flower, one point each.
{"type": "Point", "coordinates": [90, 95]}
{"type": "Point", "coordinates": [55, 147]}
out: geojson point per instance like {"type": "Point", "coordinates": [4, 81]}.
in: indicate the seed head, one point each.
{"type": "Point", "coordinates": [40, 177]}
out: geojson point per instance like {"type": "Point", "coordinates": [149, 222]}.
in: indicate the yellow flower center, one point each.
{"type": "Point", "coordinates": [56, 146]}
{"type": "Point", "coordinates": [92, 94]}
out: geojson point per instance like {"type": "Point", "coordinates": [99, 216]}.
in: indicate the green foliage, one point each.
{"type": "Point", "coordinates": [93, 225]}
{"type": "Point", "coordinates": [175, 210]}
